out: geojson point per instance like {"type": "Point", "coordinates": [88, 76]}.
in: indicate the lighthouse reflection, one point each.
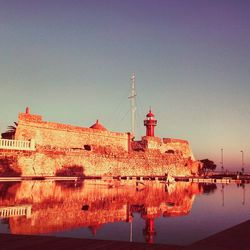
{"type": "Point", "coordinates": [64, 206]}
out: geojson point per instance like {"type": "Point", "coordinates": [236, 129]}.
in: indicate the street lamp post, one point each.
{"type": "Point", "coordinates": [222, 163]}
{"type": "Point", "coordinates": [242, 161]}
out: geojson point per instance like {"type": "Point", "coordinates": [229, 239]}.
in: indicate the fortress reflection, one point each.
{"type": "Point", "coordinates": [60, 206]}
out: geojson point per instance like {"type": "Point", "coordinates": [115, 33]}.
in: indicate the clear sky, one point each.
{"type": "Point", "coordinates": [71, 61]}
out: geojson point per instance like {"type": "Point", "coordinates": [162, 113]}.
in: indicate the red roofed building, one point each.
{"type": "Point", "coordinates": [98, 126]}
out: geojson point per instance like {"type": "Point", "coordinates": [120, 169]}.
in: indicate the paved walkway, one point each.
{"type": "Point", "coordinates": [20, 242]}
{"type": "Point", "coordinates": [235, 238]}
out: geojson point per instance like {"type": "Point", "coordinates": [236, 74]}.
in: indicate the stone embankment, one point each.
{"type": "Point", "coordinates": [80, 162]}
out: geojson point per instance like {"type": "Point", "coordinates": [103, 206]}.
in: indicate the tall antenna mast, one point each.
{"type": "Point", "coordinates": [132, 98]}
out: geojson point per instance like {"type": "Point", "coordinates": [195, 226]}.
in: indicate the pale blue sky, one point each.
{"type": "Point", "coordinates": [71, 62]}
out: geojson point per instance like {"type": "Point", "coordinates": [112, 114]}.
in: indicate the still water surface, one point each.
{"type": "Point", "coordinates": [177, 213]}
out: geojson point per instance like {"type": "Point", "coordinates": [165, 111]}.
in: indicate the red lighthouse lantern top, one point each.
{"type": "Point", "coordinates": [150, 114]}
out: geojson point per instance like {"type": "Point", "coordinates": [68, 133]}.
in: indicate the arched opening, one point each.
{"type": "Point", "coordinates": [170, 151]}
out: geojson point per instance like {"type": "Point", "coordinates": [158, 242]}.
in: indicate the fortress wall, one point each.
{"type": "Point", "coordinates": [86, 163]}
{"type": "Point", "coordinates": [180, 147]}
{"type": "Point", "coordinates": [66, 136]}
{"type": "Point", "coordinates": [152, 142]}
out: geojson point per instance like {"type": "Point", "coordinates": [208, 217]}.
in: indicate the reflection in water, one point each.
{"type": "Point", "coordinates": [242, 185]}
{"type": "Point", "coordinates": [223, 195]}
{"type": "Point", "coordinates": [244, 195]}
{"type": "Point", "coordinates": [61, 206]}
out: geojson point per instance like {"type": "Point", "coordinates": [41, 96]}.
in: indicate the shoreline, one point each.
{"type": "Point", "coordinates": [223, 179]}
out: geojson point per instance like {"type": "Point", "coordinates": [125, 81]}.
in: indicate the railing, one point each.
{"type": "Point", "coordinates": [7, 212]}
{"type": "Point", "coordinates": [17, 144]}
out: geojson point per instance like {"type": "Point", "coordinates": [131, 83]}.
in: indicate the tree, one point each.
{"type": "Point", "coordinates": [207, 166]}
{"type": "Point", "coordinates": [10, 133]}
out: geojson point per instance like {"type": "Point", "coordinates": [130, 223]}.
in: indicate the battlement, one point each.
{"type": "Point", "coordinates": [53, 135]}
{"type": "Point", "coordinates": [29, 117]}
{"type": "Point", "coordinates": [165, 146]}
{"type": "Point", "coordinates": [37, 121]}
{"type": "Point", "coordinates": [67, 136]}
{"type": "Point", "coordinates": [172, 140]}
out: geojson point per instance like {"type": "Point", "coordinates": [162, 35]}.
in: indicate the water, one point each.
{"type": "Point", "coordinates": [178, 213]}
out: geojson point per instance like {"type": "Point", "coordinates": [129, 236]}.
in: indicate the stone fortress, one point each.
{"type": "Point", "coordinates": [69, 150]}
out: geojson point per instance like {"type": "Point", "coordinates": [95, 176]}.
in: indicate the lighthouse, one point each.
{"type": "Point", "coordinates": [150, 124]}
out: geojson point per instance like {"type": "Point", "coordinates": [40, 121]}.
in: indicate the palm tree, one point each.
{"type": "Point", "coordinates": [10, 133]}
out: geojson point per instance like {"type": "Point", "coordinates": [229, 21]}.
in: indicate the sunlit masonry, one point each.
{"type": "Point", "coordinates": [42, 148]}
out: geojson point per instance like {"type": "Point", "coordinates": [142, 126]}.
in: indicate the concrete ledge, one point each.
{"type": "Point", "coordinates": [235, 238]}
{"type": "Point", "coordinates": [19, 242]}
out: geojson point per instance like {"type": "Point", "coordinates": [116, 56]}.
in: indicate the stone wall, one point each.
{"type": "Point", "coordinates": [178, 146]}
{"type": "Point", "coordinates": [95, 164]}
{"type": "Point", "coordinates": [86, 163]}
{"type": "Point", "coordinates": [165, 146]}
{"type": "Point", "coordinates": [66, 136]}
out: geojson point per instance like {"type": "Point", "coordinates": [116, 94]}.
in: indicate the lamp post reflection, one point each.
{"type": "Point", "coordinates": [222, 192]}
{"type": "Point", "coordinates": [244, 195]}
{"type": "Point", "coordinates": [131, 231]}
